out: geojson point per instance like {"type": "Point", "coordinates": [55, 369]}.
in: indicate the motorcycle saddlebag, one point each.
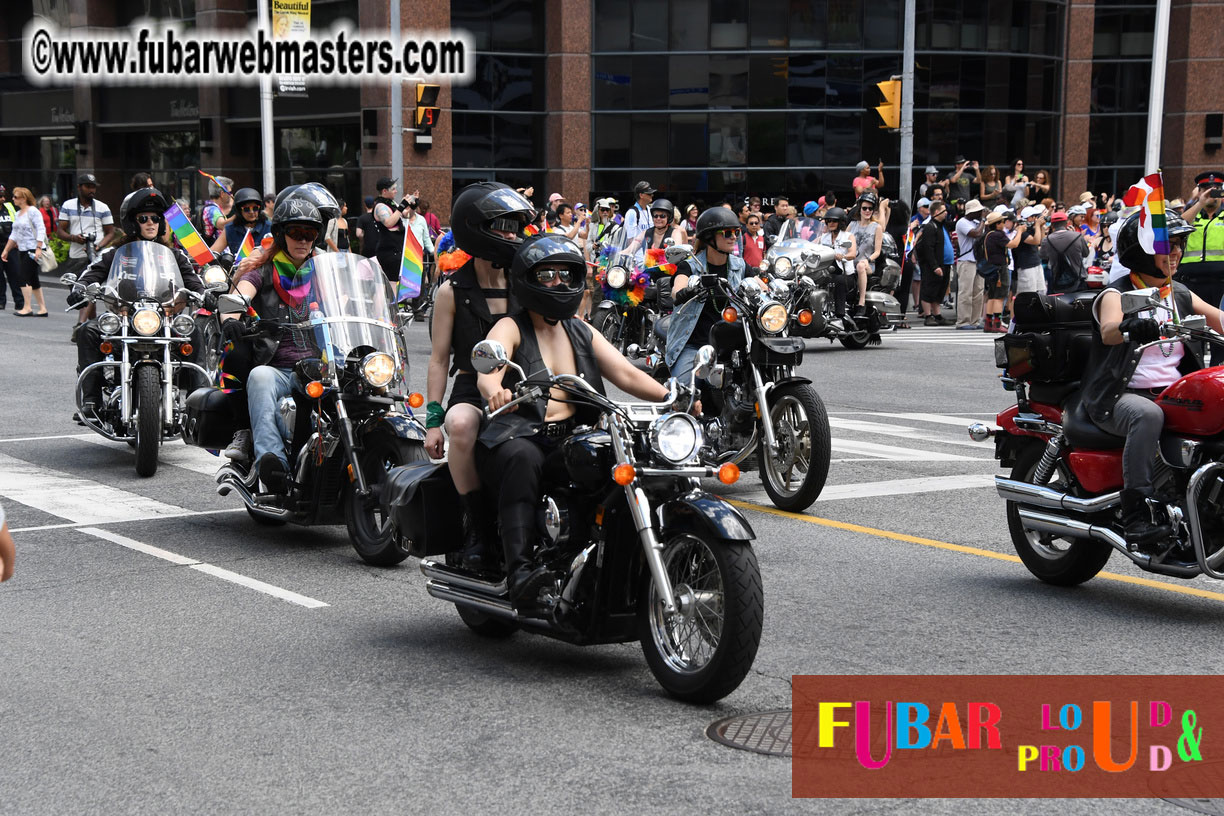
{"type": "Point", "coordinates": [421, 501]}
{"type": "Point", "coordinates": [782, 351]}
{"type": "Point", "coordinates": [1051, 338]}
{"type": "Point", "coordinates": [211, 418]}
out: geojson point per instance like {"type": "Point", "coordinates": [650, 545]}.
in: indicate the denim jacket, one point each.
{"type": "Point", "coordinates": [684, 319]}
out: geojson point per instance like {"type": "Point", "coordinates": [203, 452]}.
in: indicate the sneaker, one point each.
{"type": "Point", "coordinates": [939, 320]}
{"type": "Point", "coordinates": [930, 320]}
{"type": "Point", "coordinates": [242, 448]}
{"type": "Point", "coordinates": [969, 327]}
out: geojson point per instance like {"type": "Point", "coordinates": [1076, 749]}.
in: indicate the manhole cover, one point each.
{"type": "Point", "coordinates": [1212, 807]}
{"type": "Point", "coordinates": [768, 732]}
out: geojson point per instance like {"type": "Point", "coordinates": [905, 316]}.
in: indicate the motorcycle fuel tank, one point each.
{"type": "Point", "coordinates": [1194, 404]}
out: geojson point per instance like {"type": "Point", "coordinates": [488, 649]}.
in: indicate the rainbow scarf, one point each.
{"type": "Point", "coordinates": [292, 283]}
{"type": "Point", "coordinates": [189, 239]}
{"type": "Point", "coordinates": [412, 267]}
{"type": "Point", "coordinates": [1165, 289]}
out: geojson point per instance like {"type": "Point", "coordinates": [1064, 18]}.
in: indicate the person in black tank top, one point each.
{"type": "Point", "coordinates": [547, 278]}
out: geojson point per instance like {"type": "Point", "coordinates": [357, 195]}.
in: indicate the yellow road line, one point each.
{"type": "Point", "coordinates": [960, 548]}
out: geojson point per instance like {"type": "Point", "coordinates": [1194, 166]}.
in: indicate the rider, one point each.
{"type": "Point", "coordinates": [547, 278]}
{"type": "Point", "coordinates": [488, 219]}
{"type": "Point", "coordinates": [1124, 380]}
{"type": "Point", "coordinates": [662, 215]}
{"type": "Point", "coordinates": [279, 291]}
{"type": "Point", "coordinates": [869, 238]}
{"type": "Point", "coordinates": [845, 250]}
{"type": "Point", "coordinates": [717, 231]}
{"type": "Point", "coordinates": [247, 214]}
{"type": "Point", "coordinates": [142, 220]}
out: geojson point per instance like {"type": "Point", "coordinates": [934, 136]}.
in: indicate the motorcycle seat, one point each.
{"type": "Point", "coordinates": [660, 329]}
{"type": "Point", "coordinates": [1082, 432]}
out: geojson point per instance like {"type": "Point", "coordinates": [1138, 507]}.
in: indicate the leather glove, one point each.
{"type": "Point", "coordinates": [1140, 329]}
{"type": "Point", "coordinates": [266, 326]}
{"type": "Point", "coordinates": [233, 330]}
{"type": "Point", "coordinates": [77, 299]}
{"type": "Point", "coordinates": [692, 290]}
{"type": "Point", "coordinates": [210, 302]}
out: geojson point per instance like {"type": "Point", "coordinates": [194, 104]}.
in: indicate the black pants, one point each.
{"type": "Point", "coordinates": [841, 287]}
{"type": "Point", "coordinates": [902, 292]}
{"type": "Point", "coordinates": [30, 269]}
{"type": "Point", "coordinates": [10, 270]}
{"type": "Point", "coordinates": [514, 473]}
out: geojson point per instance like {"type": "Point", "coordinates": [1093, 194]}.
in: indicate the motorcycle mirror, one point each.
{"type": "Point", "coordinates": [677, 253]}
{"type": "Point", "coordinates": [717, 376]}
{"type": "Point", "coordinates": [489, 356]}
{"type": "Point", "coordinates": [1140, 300]}
{"type": "Point", "coordinates": [93, 289]}
{"type": "Point", "coordinates": [232, 303]}
{"type": "Point", "coordinates": [68, 278]}
{"type": "Point", "coordinates": [704, 363]}
{"type": "Point", "coordinates": [749, 288]}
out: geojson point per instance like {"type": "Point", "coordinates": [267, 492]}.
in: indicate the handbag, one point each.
{"type": "Point", "coordinates": [47, 263]}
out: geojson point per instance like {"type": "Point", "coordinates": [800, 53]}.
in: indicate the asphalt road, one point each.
{"type": "Point", "coordinates": [139, 682]}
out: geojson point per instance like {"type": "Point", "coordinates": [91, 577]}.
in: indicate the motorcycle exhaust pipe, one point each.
{"type": "Point", "coordinates": [1048, 497]}
{"type": "Point", "coordinates": [442, 574]}
{"type": "Point", "coordinates": [456, 595]}
{"type": "Point", "coordinates": [1073, 528]}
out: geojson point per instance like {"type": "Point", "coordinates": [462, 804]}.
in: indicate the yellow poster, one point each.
{"type": "Point", "coordinates": [291, 21]}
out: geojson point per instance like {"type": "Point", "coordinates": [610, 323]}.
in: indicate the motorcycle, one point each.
{"type": "Point", "coordinates": [635, 299]}
{"type": "Point", "coordinates": [1063, 493]}
{"type": "Point", "coordinates": [689, 591]}
{"type": "Point", "coordinates": [146, 339]}
{"type": "Point", "coordinates": [753, 399]}
{"type": "Point", "coordinates": [808, 269]}
{"type": "Point", "coordinates": [343, 427]}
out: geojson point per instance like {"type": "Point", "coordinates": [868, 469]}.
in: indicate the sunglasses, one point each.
{"type": "Point", "coordinates": [546, 276]}
{"type": "Point", "coordinates": [302, 233]}
{"type": "Point", "coordinates": [148, 218]}
{"type": "Point", "coordinates": [659, 216]}
{"type": "Point", "coordinates": [754, 223]}
{"type": "Point", "coordinates": [728, 233]}
{"type": "Point", "coordinates": [252, 207]}
{"type": "Point", "coordinates": [867, 208]}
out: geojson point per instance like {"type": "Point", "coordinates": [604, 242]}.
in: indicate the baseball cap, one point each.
{"type": "Point", "coordinates": [1209, 177]}
{"type": "Point", "coordinates": [87, 178]}
{"type": "Point", "coordinates": [1058, 216]}
{"type": "Point", "coordinates": [555, 197]}
{"type": "Point", "coordinates": [1029, 212]}
{"type": "Point", "coordinates": [385, 182]}
{"type": "Point", "coordinates": [974, 206]}
{"type": "Point", "coordinates": [1077, 210]}
{"type": "Point", "coordinates": [643, 187]}
{"type": "Point", "coordinates": [810, 208]}
{"type": "Point", "coordinates": [924, 202]}
{"type": "Point", "coordinates": [3, 190]}
{"type": "Point", "coordinates": [1002, 208]}
{"type": "Point", "coordinates": [932, 169]}
{"type": "Point", "coordinates": [579, 206]}
{"type": "Point", "coordinates": [861, 166]}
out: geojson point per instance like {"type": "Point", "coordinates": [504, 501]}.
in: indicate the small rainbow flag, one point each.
{"type": "Point", "coordinates": [411, 267]}
{"type": "Point", "coordinates": [187, 236]}
{"type": "Point", "coordinates": [248, 246]}
{"type": "Point", "coordinates": [213, 179]}
{"type": "Point", "coordinates": [1153, 227]}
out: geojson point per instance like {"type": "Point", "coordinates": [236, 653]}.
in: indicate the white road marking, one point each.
{"type": "Point", "coordinates": [207, 569]}
{"type": "Point", "coordinates": [897, 487]}
{"type": "Point", "coordinates": [897, 430]}
{"type": "Point", "coordinates": [74, 499]}
{"type": "Point", "coordinates": [174, 453]}
{"type": "Point", "coordinates": [896, 454]}
{"type": "Point", "coordinates": [41, 438]}
{"type": "Point", "coordinates": [935, 419]}
{"type": "Point", "coordinates": [70, 524]}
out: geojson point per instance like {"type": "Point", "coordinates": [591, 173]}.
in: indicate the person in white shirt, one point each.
{"type": "Point", "coordinates": [637, 220]}
{"type": "Point", "coordinates": [970, 286]}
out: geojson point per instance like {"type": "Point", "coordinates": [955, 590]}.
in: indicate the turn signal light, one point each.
{"type": "Point", "coordinates": [314, 389]}
{"type": "Point", "coordinates": [106, 348]}
{"type": "Point", "coordinates": [729, 473]}
{"type": "Point", "coordinates": [730, 315]}
{"type": "Point", "coordinates": [623, 474]}
{"type": "Point", "coordinates": [352, 476]}
{"type": "Point", "coordinates": [805, 318]}
{"type": "Point", "coordinates": [416, 400]}
{"type": "Point", "coordinates": [185, 349]}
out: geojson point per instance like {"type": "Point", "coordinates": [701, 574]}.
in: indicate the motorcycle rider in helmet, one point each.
{"type": "Point", "coordinates": [547, 278]}
{"type": "Point", "coordinates": [279, 291]}
{"type": "Point", "coordinates": [142, 218]}
{"type": "Point", "coordinates": [697, 309]}
{"type": "Point", "coordinates": [488, 219]}
{"type": "Point", "coordinates": [1123, 379]}
{"type": "Point", "coordinates": [248, 213]}
{"type": "Point", "coordinates": [845, 248]}
{"type": "Point", "coordinates": [662, 215]}
{"type": "Point", "coordinates": [312, 192]}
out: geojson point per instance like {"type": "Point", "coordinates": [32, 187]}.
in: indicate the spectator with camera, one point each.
{"type": "Point", "coordinates": [1202, 266]}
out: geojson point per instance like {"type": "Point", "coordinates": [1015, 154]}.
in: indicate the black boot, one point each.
{"type": "Point", "coordinates": [522, 580]}
{"type": "Point", "coordinates": [475, 555]}
{"type": "Point", "coordinates": [1137, 524]}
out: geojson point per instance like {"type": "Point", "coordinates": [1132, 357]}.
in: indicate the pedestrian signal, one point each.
{"type": "Point", "coordinates": [890, 111]}
{"type": "Point", "coordinates": [427, 113]}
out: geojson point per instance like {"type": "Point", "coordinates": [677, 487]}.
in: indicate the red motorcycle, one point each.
{"type": "Point", "coordinates": [1063, 494]}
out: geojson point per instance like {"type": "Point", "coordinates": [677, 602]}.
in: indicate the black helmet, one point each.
{"type": "Point", "coordinates": [295, 210]}
{"type": "Point", "coordinates": [321, 197]}
{"type": "Point", "coordinates": [835, 214]}
{"type": "Point", "coordinates": [1108, 220]}
{"type": "Point", "coordinates": [146, 199]}
{"type": "Point", "coordinates": [552, 302]}
{"type": "Point", "coordinates": [1131, 252]}
{"type": "Point", "coordinates": [715, 219]}
{"type": "Point", "coordinates": [486, 206]}
{"type": "Point", "coordinates": [663, 205]}
{"type": "Point", "coordinates": [870, 197]}
{"type": "Point", "coordinates": [247, 195]}
{"type": "Point", "coordinates": [1177, 225]}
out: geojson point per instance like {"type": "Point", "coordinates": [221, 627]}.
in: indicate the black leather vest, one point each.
{"type": "Point", "coordinates": [1110, 367]}
{"type": "Point", "coordinates": [389, 241]}
{"type": "Point", "coordinates": [473, 320]}
{"type": "Point", "coordinates": [528, 419]}
{"type": "Point", "coordinates": [269, 306]}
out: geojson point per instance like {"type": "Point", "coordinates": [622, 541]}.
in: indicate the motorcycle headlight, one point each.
{"type": "Point", "coordinates": [109, 323]}
{"type": "Point", "coordinates": [617, 277]}
{"type": "Point", "coordinates": [780, 289]}
{"type": "Point", "coordinates": [215, 278]}
{"type": "Point", "coordinates": [782, 267]}
{"type": "Point", "coordinates": [147, 322]}
{"type": "Point", "coordinates": [182, 325]}
{"type": "Point", "coordinates": [378, 369]}
{"type": "Point", "coordinates": [772, 317]}
{"type": "Point", "coordinates": [676, 437]}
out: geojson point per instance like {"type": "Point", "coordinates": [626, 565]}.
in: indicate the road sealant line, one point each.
{"type": "Point", "coordinates": [960, 548]}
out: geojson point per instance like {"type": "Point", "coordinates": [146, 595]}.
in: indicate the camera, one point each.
{"type": "Point", "coordinates": [1215, 192]}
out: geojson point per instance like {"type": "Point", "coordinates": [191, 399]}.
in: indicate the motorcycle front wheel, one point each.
{"type": "Point", "coordinates": [148, 392]}
{"type": "Point", "coordinates": [794, 475]}
{"type": "Point", "coordinates": [702, 651]}
{"type": "Point", "coordinates": [1058, 561]}
{"type": "Point", "coordinates": [369, 526]}
{"type": "Point", "coordinates": [608, 322]}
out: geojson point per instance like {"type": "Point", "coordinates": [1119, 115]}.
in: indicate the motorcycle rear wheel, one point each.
{"type": "Point", "coordinates": [1057, 561]}
{"type": "Point", "coordinates": [148, 392]}
{"type": "Point", "coordinates": [794, 477]}
{"type": "Point", "coordinates": [373, 536]}
{"type": "Point", "coordinates": [704, 651]}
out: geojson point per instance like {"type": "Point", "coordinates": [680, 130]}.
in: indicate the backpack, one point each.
{"type": "Point", "coordinates": [1065, 272]}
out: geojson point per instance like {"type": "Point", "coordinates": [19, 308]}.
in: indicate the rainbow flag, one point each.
{"type": "Point", "coordinates": [411, 267]}
{"type": "Point", "coordinates": [248, 246]}
{"type": "Point", "coordinates": [213, 179]}
{"type": "Point", "coordinates": [188, 238]}
{"type": "Point", "coordinates": [1149, 195]}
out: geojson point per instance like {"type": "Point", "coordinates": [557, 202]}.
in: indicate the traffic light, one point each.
{"type": "Point", "coordinates": [890, 111]}
{"type": "Point", "coordinates": [426, 113]}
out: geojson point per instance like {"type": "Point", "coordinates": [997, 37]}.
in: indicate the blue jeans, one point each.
{"type": "Point", "coordinates": [265, 387]}
{"type": "Point", "coordinates": [683, 369]}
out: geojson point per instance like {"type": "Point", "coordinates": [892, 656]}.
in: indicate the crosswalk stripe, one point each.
{"type": "Point", "coordinates": [934, 419]}
{"type": "Point", "coordinates": [173, 453]}
{"type": "Point", "coordinates": [897, 454]}
{"type": "Point", "coordinates": [897, 430]}
{"type": "Point", "coordinates": [75, 499]}
{"type": "Point", "coordinates": [897, 487]}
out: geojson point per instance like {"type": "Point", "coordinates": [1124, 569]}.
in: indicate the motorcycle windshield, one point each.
{"type": "Point", "coordinates": [350, 309]}
{"type": "Point", "coordinates": [801, 229]}
{"type": "Point", "coordinates": [144, 270]}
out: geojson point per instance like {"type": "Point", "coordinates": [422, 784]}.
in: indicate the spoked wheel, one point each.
{"type": "Point", "coordinates": [608, 322]}
{"type": "Point", "coordinates": [1055, 560]}
{"type": "Point", "coordinates": [369, 526]}
{"type": "Point", "coordinates": [702, 652]}
{"type": "Point", "coordinates": [212, 344]}
{"type": "Point", "coordinates": [794, 475]}
{"type": "Point", "coordinates": [148, 391]}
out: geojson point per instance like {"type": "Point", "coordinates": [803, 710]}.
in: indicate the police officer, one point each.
{"type": "Point", "coordinates": [1202, 267]}
{"type": "Point", "coordinates": [488, 220]}
{"type": "Point", "coordinates": [8, 269]}
{"type": "Point", "coordinates": [547, 278]}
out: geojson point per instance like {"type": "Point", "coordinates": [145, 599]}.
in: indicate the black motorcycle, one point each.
{"type": "Point", "coordinates": [635, 298]}
{"type": "Point", "coordinates": [639, 551]}
{"type": "Point", "coordinates": [345, 430]}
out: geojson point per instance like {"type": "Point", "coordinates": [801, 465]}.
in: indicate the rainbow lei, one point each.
{"type": "Point", "coordinates": [632, 293]}
{"type": "Point", "coordinates": [656, 258]}
{"type": "Point", "coordinates": [450, 257]}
